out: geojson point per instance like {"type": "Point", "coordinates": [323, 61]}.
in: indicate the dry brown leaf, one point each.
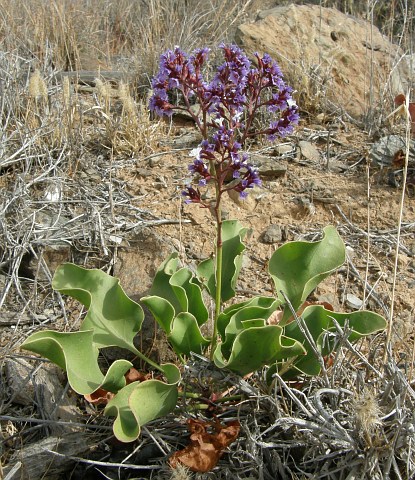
{"type": "Point", "coordinates": [99, 397]}
{"type": "Point", "coordinates": [205, 449]}
{"type": "Point", "coordinates": [102, 396]}
{"type": "Point", "coordinates": [133, 375]}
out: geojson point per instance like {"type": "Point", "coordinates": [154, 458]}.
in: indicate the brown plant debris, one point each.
{"type": "Point", "coordinates": [205, 449]}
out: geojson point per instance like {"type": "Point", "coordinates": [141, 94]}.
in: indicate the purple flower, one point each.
{"type": "Point", "coordinates": [285, 125]}
{"type": "Point", "coordinates": [193, 195]}
{"type": "Point", "coordinates": [269, 71]}
{"type": "Point", "coordinates": [237, 91]}
{"type": "Point", "coordinates": [207, 151]}
{"type": "Point", "coordinates": [159, 103]}
{"type": "Point", "coordinates": [199, 168]}
{"type": "Point", "coordinates": [249, 178]}
{"type": "Point", "coordinates": [199, 57]}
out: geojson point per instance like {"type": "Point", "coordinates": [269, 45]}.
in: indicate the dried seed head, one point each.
{"type": "Point", "coordinates": [37, 86]}
{"type": "Point", "coordinates": [367, 412]}
{"type": "Point", "coordinates": [66, 91]}
{"type": "Point", "coordinates": [127, 101]}
{"type": "Point", "coordinates": [181, 472]}
{"type": "Point", "coordinates": [102, 88]}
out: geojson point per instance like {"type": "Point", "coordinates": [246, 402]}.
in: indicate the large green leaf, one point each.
{"type": "Point", "coordinates": [185, 335]}
{"type": "Point", "coordinates": [162, 311]}
{"type": "Point", "coordinates": [77, 354]}
{"type": "Point", "coordinates": [256, 347]}
{"type": "Point", "coordinates": [248, 342]}
{"type": "Point", "coordinates": [232, 255]}
{"type": "Point", "coordinates": [321, 327]}
{"type": "Point", "coordinates": [298, 267]}
{"type": "Point", "coordinates": [189, 295]}
{"type": "Point", "coordinates": [226, 315]}
{"type": "Point", "coordinates": [180, 288]}
{"type": "Point", "coordinates": [243, 318]}
{"type": "Point", "coordinates": [112, 316]}
{"type": "Point", "coordinates": [182, 331]}
{"type": "Point", "coordinates": [140, 402]}
{"type": "Point", "coordinates": [161, 286]}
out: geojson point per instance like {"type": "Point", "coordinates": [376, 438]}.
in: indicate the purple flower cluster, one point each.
{"type": "Point", "coordinates": [227, 104]}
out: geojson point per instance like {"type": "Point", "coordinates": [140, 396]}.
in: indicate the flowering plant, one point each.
{"type": "Point", "coordinates": [246, 336]}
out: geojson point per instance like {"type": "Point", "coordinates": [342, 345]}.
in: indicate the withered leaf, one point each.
{"type": "Point", "coordinates": [99, 397]}
{"type": "Point", "coordinates": [205, 449]}
{"type": "Point", "coordinates": [102, 396]}
{"type": "Point", "coordinates": [133, 375]}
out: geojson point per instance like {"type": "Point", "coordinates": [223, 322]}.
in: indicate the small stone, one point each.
{"type": "Point", "coordinates": [18, 374]}
{"type": "Point", "coordinates": [154, 162]}
{"type": "Point", "coordinates": [188, 140]}
{"type": "Point", "coordinates": [284, 149]}
{"type": "Point", "coordinates": [268, 166]}
{"type": "Point", "coordinates": [384, 150]}
{"type": "Point", "coordinates": [353, 301]}
{"type": "Point", "coordinates": [273, 234]}
{"type": "Point", "coordinates": [144, 172]}
{"type": "Point", "coordinates": [309, 151]}
{"type": "Point", "coordinates": [350, 252]}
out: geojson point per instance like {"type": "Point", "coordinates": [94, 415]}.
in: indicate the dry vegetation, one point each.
{"type": "Point", "coordinates": [66, 143]}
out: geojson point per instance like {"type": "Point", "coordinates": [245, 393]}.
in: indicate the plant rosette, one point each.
{"type": "Point", "coordinates": [245, 336]}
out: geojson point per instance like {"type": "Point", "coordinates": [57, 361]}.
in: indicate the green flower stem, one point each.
{"type": "Point", "coordinates": [218, 270]}
{"type": "Point", "coordinates": [218, 299]}
{"type": "Point", "coordinates": [150, 362]}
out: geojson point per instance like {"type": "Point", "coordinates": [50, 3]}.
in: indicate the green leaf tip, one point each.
{"type": "Point", "coordinates": [141, 402]}
{"type": "Point", "coordinates": [298, 267]}
{"type": "Point", "coordinates": [232, 247]}
{"type": "Point", "coordinates": [112, 316]}
{"type": "Point", "coordinates": [76, 353]}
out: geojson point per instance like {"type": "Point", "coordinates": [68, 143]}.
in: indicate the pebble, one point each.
{"type": "Point", "coordinates": [273, 234]}
{"type": "Point", "coordinates": [309, 151]}
{"type": "Point", "coordinates": [353, 301]}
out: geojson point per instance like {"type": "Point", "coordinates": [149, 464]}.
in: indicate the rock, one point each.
{"type": "Point", "coordinates": [188, 140]}
{"type": "Point", "coordinates": [402, 77]}
{"type": "Point", "coordinates": [268, 166]}
{"type": "Point", "coordinates": [353, 301]}
{"type": "Point", "coordinates": [247, 203]}
{"type": "Point", "coordinates": [285, 150]}
{"type": "Point", "coordinates": [18, 374]}
{"type": "Point", "coordinates": [36, 461]}
{"type": "Point", "coordinates": [328, 49]}
{"type": "Point", "coordinates": [32, 266]}
{"type": "Point", "coordinates": [44, 387]}
{"type": "Point", "coordinates": [273, 234]}
{"type": "Point", "coordinates": [384, 150]}
{"type": "Point", "coordinates": [137, 264]}
{"type": "Point", "coordinates": [309, 151]}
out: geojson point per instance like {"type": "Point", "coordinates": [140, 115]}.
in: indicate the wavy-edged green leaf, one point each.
{"type": "Point", "coordinates": [225, 316]}
{"type": "Point", "coordinates": [256, 347]}
{"type": "Point", "coordinates": [140, 402]}
{"type": "Point", "coordinates": [161, 284]}
{"type": "Point", "coordinates": [185, 335]}
{"type": "Point", "coordinates": [320, 324]}
{"type": "Point", "coordinates": [182, 331]}
{"type": "Point", "coordinates": [298, 267]}
{"type": "Point", "coordinates": [112, 316]}
{"type": "Point", "coordinates": [232, 255]}
{"type": "Point", "coordinates": [161, 309]}
{"type": "Point", "coordinates": [76, 353]}
{"type": "Point", "coordinates": [243, 318]}
{"type": "Point", "coordinates": [189, 295]}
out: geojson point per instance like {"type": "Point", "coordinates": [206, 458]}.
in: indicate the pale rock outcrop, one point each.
{"type": "Point", "coordinates": [344, 61]}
